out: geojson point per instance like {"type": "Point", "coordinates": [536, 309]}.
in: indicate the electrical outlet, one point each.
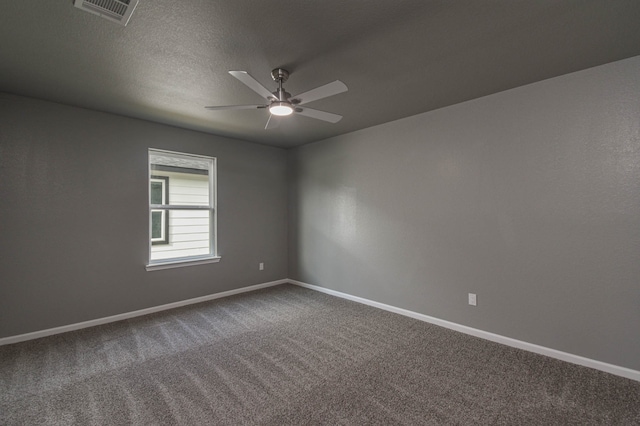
{"type": "Point", "coordinates": [473, 301]}
{"type": "Point", "coordinates": [261, 266]}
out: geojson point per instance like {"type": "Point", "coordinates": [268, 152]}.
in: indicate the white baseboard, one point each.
{"type": "Point", "coordinates": [553, 353]}
{"type": "Point", "coordinates": [127, 315]}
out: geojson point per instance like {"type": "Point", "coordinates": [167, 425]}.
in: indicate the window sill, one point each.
{"type": "Point", "coordinates": [180, 263]}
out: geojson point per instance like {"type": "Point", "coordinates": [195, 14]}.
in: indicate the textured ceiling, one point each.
{"type": "Point", "coordinates": [398, 58]}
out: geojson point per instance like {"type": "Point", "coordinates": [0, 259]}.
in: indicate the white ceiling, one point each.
{"type": "Point", "coordinates": [398, 57]}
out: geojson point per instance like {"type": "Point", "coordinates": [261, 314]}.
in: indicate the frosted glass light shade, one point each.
{"type": "Point", "coordinates": [280, 108]}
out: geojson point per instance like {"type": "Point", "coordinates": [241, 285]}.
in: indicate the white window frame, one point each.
{"type": "Point", "coordinates": [176, 262]}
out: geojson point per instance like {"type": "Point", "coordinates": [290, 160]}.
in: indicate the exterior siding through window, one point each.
{"type": "Point", "coordinates": [188, 229]}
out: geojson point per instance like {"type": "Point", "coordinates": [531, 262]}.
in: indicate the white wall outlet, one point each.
{"type": "Point", "coordinates": [261, 266]}
{"type": "Point", "coordinates": [473, 301]}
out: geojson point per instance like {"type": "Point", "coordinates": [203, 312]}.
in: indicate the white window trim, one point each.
{"type": "Point", "coordinates": [176, 263]}
{"type": "Point", "coordinates": [213, 256]}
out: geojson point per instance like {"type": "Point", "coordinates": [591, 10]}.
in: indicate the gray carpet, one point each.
{"type": "Point", "coordinates": [288, 355]}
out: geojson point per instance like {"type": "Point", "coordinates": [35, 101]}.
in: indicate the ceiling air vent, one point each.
{"type": "Point", "coordinates": [114, 10]}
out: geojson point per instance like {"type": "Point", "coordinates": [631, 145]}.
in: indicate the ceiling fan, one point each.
{"type": "Point", "coordinates": [281, 103]}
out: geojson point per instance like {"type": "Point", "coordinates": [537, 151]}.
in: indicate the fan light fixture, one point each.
{"type": "Point", "coordinates": [280, 108]}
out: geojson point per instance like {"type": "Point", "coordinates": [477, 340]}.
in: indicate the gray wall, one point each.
{"type": "Point", "coordinates": [74, 215]}
{"type": "Point", "coordinates": [529, 198]}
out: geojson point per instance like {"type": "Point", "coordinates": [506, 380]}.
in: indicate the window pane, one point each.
{"type": "Point", "coordinates": [188, 177]}
{"type": "Point", "coordinates": [189, 235]}
{"type": "Point", "coordinates": [156, 192]}
{"type": "Point", "coordinates": [156, 225]}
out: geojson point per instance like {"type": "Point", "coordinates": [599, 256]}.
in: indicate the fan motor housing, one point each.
{"type": "Point", "coordinates": [280, 74]}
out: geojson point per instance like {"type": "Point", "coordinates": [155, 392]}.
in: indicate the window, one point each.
{"type": "Point", "coordinates": [182, 209]}
{"type": "Point", "coordinates": [159, 193]}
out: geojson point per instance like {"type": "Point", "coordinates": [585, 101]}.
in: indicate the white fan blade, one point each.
{"type": "Point", "coordinates": [320, 115]}
{"type": "Point", "coordinates": [252, 83]}
{"type": "Point", "coordinates": [236, 107]}
{"type": "Point", "coordinates": [272, 122]}
{"type": "Point", "coordinates": [325, 91]}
